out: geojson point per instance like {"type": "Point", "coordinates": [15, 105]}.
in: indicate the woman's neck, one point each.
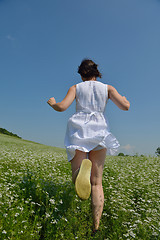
{"type": "Point", "coordinates": [91, 79]}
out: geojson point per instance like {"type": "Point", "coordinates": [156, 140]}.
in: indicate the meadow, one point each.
{"type": "Point", "coordinates": [38, 200]}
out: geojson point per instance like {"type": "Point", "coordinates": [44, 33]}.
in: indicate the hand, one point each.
{"type": "Point", "coordinates": [51, 101]}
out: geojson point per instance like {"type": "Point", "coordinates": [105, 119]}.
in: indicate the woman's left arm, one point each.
{"type": "Point", "coordinates": [66, 102]}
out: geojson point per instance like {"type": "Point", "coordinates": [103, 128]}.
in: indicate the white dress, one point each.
{"type": "Point", "coordinates": [88, 128]}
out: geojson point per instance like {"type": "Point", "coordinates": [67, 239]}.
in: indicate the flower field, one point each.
{"type": "Point", "coordinates": [38, 201]}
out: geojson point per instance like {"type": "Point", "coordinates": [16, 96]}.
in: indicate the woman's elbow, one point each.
{"type": "Point", "coordinates": [59, 110]}
{"type": "Point", "coordinates": [61, 107]}
{"type": "Point", "coordinates": [62, 110]}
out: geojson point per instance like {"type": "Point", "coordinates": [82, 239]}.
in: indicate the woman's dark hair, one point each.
{"type": "Point", "coordinates": [88, 69]}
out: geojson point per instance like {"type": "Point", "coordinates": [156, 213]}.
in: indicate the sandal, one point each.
{"type": "Point", "coordinates": [82, 183]}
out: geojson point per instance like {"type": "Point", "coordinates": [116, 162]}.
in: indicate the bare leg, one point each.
{"type": "Point", "coordinates": [97, 158]}
{"type": "Point", "coordinates": [76, 163]}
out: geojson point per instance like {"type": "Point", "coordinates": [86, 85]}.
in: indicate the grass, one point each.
{"type": "Point", "coordinates": [38, 201]}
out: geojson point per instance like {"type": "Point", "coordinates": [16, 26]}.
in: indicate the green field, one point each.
{"type": "Point", "coordinates": [38, 201]}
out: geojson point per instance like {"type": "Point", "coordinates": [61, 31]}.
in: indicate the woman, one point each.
{"type": "Point", "coordinates": [88, 137]}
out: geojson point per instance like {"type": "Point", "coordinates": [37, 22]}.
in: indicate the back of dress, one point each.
{"type": "Point", "coordinates": [91, 96]}
{"type": "Point", "coordinates": [88, 129]}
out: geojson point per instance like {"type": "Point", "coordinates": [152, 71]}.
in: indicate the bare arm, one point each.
{"type": "Point", "coordinates": [66, 102]}
{"type": "Point", "coordinates": [119, 100]}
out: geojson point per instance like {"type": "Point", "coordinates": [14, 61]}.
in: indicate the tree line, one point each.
{"type": "Point", "coordinates": [4, 131]}
{"type": "Point", "coordinates": [157, 153]}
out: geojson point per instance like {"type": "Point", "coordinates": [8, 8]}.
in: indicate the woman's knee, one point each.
{"type": "Point", "coordinates": [96, 181]}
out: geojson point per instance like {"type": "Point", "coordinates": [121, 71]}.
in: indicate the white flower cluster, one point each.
{"type": "Point", "coordinates": [133, 185]}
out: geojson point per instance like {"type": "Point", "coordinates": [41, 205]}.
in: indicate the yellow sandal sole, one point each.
{"type": "Point", "coordinates": [82, 184]}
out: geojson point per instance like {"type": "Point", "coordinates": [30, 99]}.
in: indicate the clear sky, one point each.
{"type": "Point", "coordinates": [42, 42]}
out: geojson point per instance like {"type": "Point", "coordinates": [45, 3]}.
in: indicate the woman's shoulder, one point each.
{"type": "Point", "coordinates": [91, 82]}
{"type": "Point", "coordinates": [73, 87]}
{"type": "Point", "coordinates": [86, 84]}
{"type": "Point", "coordinates": [80, 83]}
{"type": "Point", "coordinates": [101, 83]}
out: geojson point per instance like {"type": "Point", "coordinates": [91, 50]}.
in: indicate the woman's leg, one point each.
{"type": "Point", "coordinates": [76, 163]}
{"type": "Point", "coordinates": [97, 158]}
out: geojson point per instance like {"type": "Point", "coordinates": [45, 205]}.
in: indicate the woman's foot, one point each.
{"type": "Point", "coordinates": [94, 232]}
{"type": "Point", "coordinates": [82, 183]}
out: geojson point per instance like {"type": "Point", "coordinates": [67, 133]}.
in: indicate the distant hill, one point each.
{"type": "Point", "coordinates": [4, 131]}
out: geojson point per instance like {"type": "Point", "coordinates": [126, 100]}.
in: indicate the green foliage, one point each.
{"type": "Point", "coordinates": [38, 200]}
{"type": "Point", "coordinates": [4, 131]}
{"type": "Point", "coordinates": [121, 154]}
{"type": "Point", "coordinates": [158, 151]}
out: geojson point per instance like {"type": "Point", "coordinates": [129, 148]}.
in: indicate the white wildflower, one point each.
{"type": "Point", "coordinates": [132, 234]}
{"type": "Point", "coordinates": [52, 201]}
{"type": "Point", "coordinates": [47, 215]}
{"type": "Point", "coordinates": [53, 221]}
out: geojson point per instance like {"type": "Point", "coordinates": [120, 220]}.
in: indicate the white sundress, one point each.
{"type": "Point", "coordinates": [88, 128]}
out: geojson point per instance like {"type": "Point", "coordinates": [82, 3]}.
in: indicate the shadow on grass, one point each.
{"type": "Point", "coordinates": [46, 197]}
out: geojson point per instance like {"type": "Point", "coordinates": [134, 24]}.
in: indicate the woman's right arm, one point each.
{"type": "Point", "coordinates": [119, 100]}
{"type": "Point", "coordinates": [66, 102]}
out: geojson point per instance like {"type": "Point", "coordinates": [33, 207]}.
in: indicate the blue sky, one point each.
{"type": "Point", "coordinates": [43, 42]}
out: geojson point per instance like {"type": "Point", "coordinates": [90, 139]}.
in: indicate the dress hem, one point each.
{"type": "Point", "coordinates": [110, 150]}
